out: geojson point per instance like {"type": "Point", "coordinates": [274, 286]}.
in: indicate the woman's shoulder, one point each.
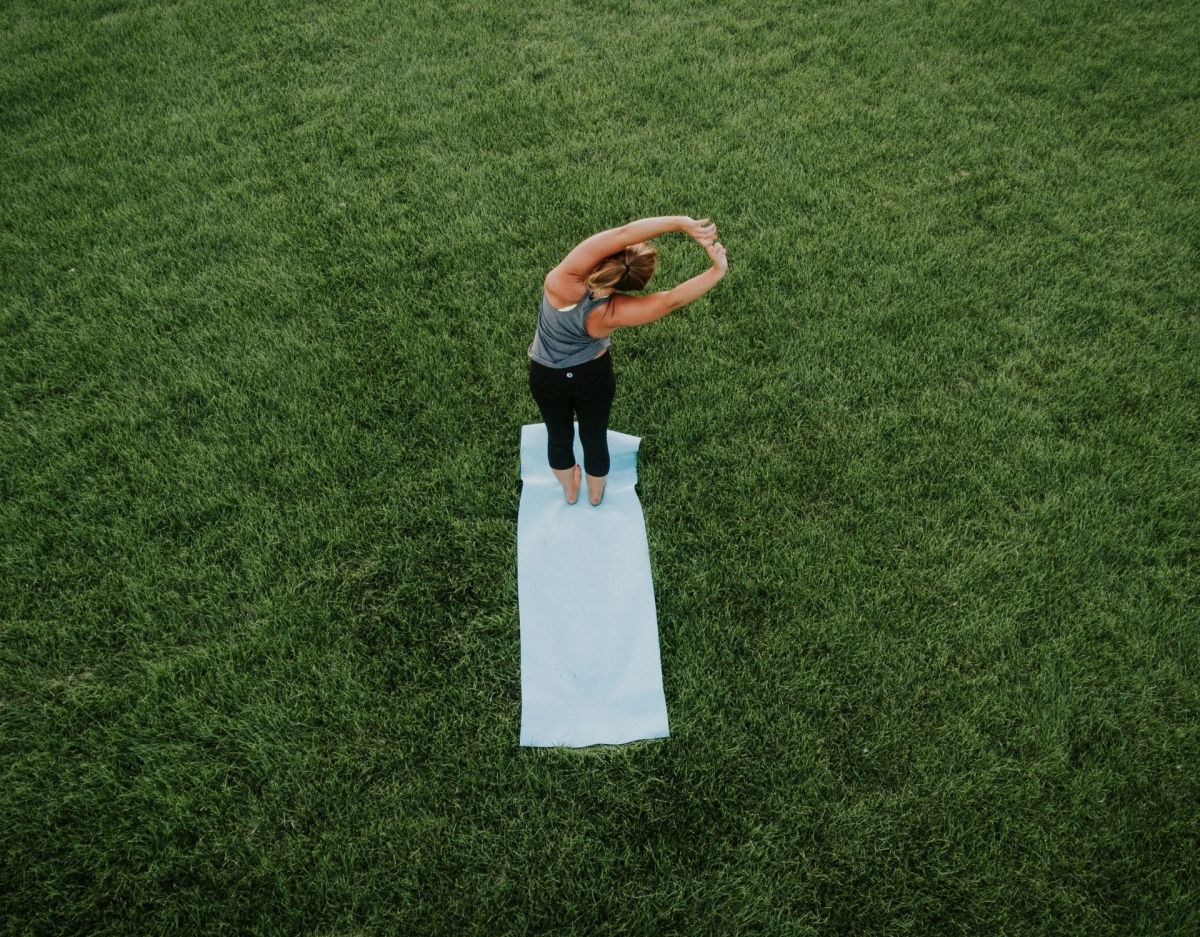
{"type": "Point", "coordinates": [553, 304]}
{"type": "Point", "coordinates": [564, 296]}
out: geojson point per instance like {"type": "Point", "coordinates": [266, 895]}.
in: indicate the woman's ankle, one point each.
{"type": "Point", "coordinates": [595, 485]}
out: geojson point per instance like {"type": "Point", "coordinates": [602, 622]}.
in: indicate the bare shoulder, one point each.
{"type": "Point", "coordinates": [600, 322]}
{"type": "Point", "coordinates": [562, 289]}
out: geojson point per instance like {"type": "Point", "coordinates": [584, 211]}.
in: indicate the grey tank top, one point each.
{"type": "Point", "coordinates": [561, 340]}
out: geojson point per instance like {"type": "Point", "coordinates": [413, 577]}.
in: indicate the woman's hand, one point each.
{"type": "Point", "coordinates": [704, 230]}
{"type": "Point", "coordinates": [717, 253]}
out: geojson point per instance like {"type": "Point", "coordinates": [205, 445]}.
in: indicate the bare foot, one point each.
{"type": "Point", "coordinates": [596, 488]}
{"type": "Point", "coordinates": [569, 479]}
{"type": "Point", "coordinates": [573, 487]}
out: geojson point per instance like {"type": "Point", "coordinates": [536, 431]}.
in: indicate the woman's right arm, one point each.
{"type": "Point", "coordinates": [640, 310]}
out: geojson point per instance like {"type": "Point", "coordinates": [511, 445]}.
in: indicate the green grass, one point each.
{"type": "Point", "coordinates": [920, 475]}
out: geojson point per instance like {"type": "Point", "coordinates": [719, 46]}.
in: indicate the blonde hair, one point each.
{"type": "Point", "coordinates": [628, 269]}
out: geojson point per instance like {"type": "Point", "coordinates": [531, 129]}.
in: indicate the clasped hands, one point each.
{"type": "Point", "coordinates": [704, 231]}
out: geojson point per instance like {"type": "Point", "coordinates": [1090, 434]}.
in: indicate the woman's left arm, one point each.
{"type": "Point", "coordinates": [587, 255]}
{"type": "Point", "coordinates": [647, 229]}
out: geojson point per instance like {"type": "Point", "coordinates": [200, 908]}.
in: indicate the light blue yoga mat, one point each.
{"type": "Point", "coordinates": [590, 666]}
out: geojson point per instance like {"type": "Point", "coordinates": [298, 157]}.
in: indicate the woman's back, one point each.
{"type": "Point", "coordinates": [561, 339]}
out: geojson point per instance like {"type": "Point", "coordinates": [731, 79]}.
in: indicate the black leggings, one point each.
{"type": "Point", "coordinates": [586, 390]}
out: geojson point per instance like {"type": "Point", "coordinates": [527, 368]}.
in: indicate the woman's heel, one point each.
{"type": "Point", "coordinates": [603, 479]}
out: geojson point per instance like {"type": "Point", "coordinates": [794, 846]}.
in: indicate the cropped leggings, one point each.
{"type": "Point", "coordinates": [585, 391]}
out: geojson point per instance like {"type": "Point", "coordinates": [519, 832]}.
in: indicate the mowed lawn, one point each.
{"type": "Point", "coordinates": [920, 475]}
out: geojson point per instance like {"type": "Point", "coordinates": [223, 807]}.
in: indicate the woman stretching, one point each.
{"type": "Point", "coordinates": [570, 370]}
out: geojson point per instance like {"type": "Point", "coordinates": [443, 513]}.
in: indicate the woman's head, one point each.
{"type": "Point", "coordinates": [628, 270]}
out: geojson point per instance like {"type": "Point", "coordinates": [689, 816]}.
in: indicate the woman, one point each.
{"type": "Point", "coordinates": [570, 369]}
